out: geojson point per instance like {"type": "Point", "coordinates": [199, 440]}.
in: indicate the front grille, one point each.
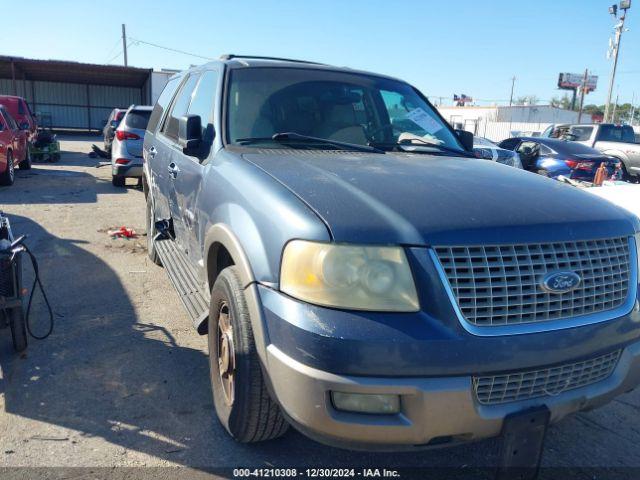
{"type": "Point", "coordinates": [501, 285]}
{"type": "Point", "coordinates": [511, 387]}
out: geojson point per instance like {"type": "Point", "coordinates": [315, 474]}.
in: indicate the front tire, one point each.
{"type": "Point", "coordinates": [240, 395]}
{"type": "Point", "coordinates": [8, 177]}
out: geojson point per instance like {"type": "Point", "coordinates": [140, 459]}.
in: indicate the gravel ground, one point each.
{"type": "Point", "coordinates": [123, 380]}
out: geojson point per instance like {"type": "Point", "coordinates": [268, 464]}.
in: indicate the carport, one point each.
{"type": "Point", "coordinates": [72, 95]}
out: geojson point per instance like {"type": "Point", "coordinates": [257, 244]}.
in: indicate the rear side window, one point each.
{"type": "Point", "coordinates": [21, 109]}
{"type": "Point", "coordinates": [179, 108]}
{"type": "Point", "coordinates": [137, 119]}
{"type": "Point", "coordinates": [161, 104]}
{"type": "Point", "coordinates": [613, 133]}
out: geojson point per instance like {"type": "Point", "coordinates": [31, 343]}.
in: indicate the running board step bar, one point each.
{"type": "Point", "coordinates": [185, 280]}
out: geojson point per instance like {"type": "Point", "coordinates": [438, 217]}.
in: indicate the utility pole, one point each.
{"type": "Point", "coordinates": [124, 45]}
{"type": "Point", "coordinates": [583, 91]}
{"type": "Point", "coordinates": [624, 6]}
{"type": "Point", "coordinates": [513, 82]}
{"type": "Point", "coordinates": [633, 109]}
{"type": "Point", "coordinates": [615, 107]}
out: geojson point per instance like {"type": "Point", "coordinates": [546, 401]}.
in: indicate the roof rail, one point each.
{"type": "Point", "coordinates": [230, 56]}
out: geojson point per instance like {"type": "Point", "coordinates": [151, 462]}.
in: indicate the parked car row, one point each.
{"type": "Point", "coordinates": [618, 141]}
{"type": "Point", "coordinates": [363, 276]}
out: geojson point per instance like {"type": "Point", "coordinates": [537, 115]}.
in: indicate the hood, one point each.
{"type": "Point", "coordinates": [416, 199]}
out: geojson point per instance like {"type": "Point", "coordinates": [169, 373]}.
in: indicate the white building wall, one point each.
{"type": "Point", "coordinates": [158, 80]}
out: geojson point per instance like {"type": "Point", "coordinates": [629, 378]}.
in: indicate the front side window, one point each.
{"type": "Point", "coordinates": [203, 101]}
{"type": "Point", "coordinates": [337, 106]}
{"type": "Point", "coordinates": [179, 108]}
{"type": "Point", "coordinates": [162, 103]}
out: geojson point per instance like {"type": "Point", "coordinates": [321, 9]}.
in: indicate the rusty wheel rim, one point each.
{"type": "Point", "coordinates": [226, 353]}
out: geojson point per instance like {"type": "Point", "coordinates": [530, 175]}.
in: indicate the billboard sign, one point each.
{"type": "Point", "coordinates": [573, 81]}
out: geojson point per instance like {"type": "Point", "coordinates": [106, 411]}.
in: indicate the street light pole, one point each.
{"type": "Point", "coordinates": [616, 48]}
{"type": "Point", "coordinates": [124, 45]}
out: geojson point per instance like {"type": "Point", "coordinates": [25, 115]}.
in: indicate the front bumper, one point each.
{"type": "Point", "coordinates": [434, 411]}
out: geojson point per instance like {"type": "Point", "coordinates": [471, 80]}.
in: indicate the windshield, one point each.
{"type": "Point", "coordinates": [339, 106]}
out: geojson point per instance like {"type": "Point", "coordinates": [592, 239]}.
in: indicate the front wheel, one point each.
{"type": "Point", "coordinates": [18, 328]}
{"type": "Point", "coordinates": [626, 176]}
{"type": "Point", "coordinates": [9, 175]}
{"type": "Point", "coordinates": [242, 402]}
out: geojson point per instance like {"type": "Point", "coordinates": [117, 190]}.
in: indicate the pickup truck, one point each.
{"type": "Point", "coordinates": [614, 140]}
{"type": "Point", "coordinates": [361, 276]}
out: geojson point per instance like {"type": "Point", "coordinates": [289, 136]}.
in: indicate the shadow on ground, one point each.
{"type": "Point", "coordinates": [102, 375]}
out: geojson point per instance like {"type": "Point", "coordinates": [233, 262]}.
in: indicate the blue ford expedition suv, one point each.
{"type": "Point", "coordinates": [361, 277]}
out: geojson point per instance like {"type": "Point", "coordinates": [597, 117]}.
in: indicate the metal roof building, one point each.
{"type": "Point", "coordinates": [72, 95]}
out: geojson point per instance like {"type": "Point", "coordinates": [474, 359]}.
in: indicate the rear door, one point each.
{"type": "Point", "coordinates": [170, 156]}
{"type": "Point", "coordinates": [189, 180]}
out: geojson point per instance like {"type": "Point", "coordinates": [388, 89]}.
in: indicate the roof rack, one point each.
{"type": "Point", "coordinates": [230, 56]}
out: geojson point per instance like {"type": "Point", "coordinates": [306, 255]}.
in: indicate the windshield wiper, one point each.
{"type": "Point", "coordinates": [285, 137]}
{"type": "Point", "coordinates": [418, 142]}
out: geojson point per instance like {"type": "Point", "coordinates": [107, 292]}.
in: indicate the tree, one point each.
{"type": "Point", "coordinates": [527, 100]}
{"type": "Point", "coordinates": [561, 102]}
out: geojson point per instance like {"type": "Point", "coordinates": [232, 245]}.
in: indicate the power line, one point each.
{"type": "Point", "coordinates": [115, 45]}
{"type": "Point", "coordinates": [129, 45]}
{"type": "Point", "coordinates": [137, 41]}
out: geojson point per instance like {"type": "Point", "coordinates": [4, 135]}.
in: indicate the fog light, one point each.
{"type": "Point", "coordinates": [366, 403]}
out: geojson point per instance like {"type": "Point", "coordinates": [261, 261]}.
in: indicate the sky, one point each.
{"type": "Point", "coordinates": [441, 47]}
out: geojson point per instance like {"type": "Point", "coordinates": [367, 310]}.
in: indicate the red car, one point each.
{"type": "Point", "coordinates": [19, 110]}
{"type": "Point", "coordinates": [14, 150]}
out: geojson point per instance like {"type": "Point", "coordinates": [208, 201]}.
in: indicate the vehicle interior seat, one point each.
{"type": "Point", "coordinates": [342, 125]}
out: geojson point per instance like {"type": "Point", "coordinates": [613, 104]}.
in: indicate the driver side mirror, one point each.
{"type": "Point", "coordinates": [190, 134]}
{"type": "Point", "coordinates": [466, 139]}
{"type": "Point", "coordinates": [24, 126]}
{"type": "Point", "coordinates": [114, 124]}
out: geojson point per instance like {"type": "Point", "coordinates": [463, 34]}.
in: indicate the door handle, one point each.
{"type": "Point", "coordinates": [151, 152]}
{"type": "Point", "coordinates": [173, 170]}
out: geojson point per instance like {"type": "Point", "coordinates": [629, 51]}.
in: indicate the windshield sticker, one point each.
{"type": "Point", "coordinates": [424, 120]}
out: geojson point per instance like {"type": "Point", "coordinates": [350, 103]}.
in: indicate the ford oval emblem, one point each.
{"type": "Point", "coordinates": [560, 282]}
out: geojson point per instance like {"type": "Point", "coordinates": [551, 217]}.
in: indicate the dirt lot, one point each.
{"type": "Point", "coordinates": [123, 380]}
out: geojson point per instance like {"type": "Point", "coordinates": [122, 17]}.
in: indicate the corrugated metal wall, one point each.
{"type": "Point", "coordinates": [73, 105]}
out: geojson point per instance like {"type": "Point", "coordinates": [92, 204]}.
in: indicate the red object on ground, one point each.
{"type": "Point", "coordinates": [123, 232]}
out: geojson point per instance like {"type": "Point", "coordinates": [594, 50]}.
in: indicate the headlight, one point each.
{"type": "Point", "coordinates": [348, 276]}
